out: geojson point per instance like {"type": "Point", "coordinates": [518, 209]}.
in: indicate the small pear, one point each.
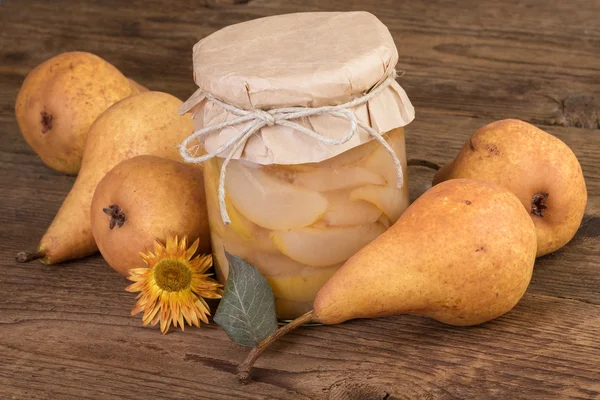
{"type": "Point", "coordinates": [462, 254]}
{"type": "Point", "coordinates": [537, 167]}
{"type": "Point", "coordinates": [143, 199]}
{"type": "Point", "coordinates": [60, 99]}
{"type": "Point", "coordinates": [147, 123]}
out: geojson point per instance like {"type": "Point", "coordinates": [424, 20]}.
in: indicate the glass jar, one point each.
{"type": "Point", "coordinates": [299, 223]}
{"type": "Point", "coordinates": [296, 102]}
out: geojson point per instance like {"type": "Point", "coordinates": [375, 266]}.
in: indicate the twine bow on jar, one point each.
{"type": "Point", "coordinates": [285, 117]}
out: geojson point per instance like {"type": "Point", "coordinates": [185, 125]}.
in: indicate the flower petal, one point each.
{"type": "Point", "coordinates": [192, 250]}
{"type": "Point", "coordinates": [164, 326]}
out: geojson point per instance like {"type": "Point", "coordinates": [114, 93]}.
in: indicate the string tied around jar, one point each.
{"type": "Point", "coordinates": [285, 116]}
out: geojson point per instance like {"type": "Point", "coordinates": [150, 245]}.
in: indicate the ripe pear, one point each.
{"type": "Point", "coordinates": [60, 99]}
{"type": "Point", "coordinates": [462, 254]}
{"type": "Point", "coordinates": [537, 167]}
{"type": "Point", "coordinates": [143, 199]}
{"type": "Point", "coordinates": [147, 123]}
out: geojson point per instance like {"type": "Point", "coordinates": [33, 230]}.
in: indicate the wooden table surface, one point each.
{"type": "Point", "coordinates": [65, 330]}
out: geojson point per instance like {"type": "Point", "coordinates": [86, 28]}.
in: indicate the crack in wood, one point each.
{"type": "Point", "coordinates": [349, 390]}
{"type": "Point", "coordinates": [212, 4]}
{"type": "Point", "coordinates": [214, 363]}
{"type": "Point", "coordinates": [569, 298]}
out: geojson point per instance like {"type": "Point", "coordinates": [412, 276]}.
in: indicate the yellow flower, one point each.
{"type": "Point", "coordinates": [174, 285]}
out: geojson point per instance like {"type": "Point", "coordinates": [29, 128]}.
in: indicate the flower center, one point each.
{"type": "Point", "coordinates": [172, 275]}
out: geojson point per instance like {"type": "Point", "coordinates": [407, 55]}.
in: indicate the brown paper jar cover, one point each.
{"type": "Point", "coordinates": [297, 60]}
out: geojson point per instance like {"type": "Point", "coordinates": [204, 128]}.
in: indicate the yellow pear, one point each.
{"type": "Point", "coordinates": [462, 254]}
{"type": "Point", "coordinates": [537, 167]}
{"type": "Point", "coordinates": [60, 99]}
{"type": "Point", "coordinates": [144, 199]}
{"type": "Point", "coordinates": [147, 123]}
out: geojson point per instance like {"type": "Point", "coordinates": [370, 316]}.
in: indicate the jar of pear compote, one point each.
{"type": "Point", "coordinates": [299, 223]}
{"type": "Point", "coordinates": [298, 208]}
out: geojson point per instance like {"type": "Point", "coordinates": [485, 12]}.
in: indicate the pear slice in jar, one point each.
{"type": "Point", "coordinates": [275, 264]}
{"type": "Point", "coordinates": [368, 164]}
{"type": "Point", "coordinates": [384, 220]}
{"type": "Point", "coordinates": [380, 161]}
{"type": "Point", "coordinates": [324, 246]}
{"type": "Point", "coordinates": [348, 158]}
{"type": "Point", "coordinates": [269, 202]}
{"type": "Point", "coordinates": [301, 286]}
{"type": "Point", "coordinates": [240, 226]}
{"type": "Point", "coordinates": [212, 202]}
{"type": "Point", "coordinates": [324, 179]}
{"type": "Point", "coordinates": [304, 174]}
{"type": "Point", "coordinates": [267, 259]}
{"type": "Point", "coordinates": [219, 259]}
{"type": "Point", "coordinates": [390, 200]}
{"type": "Point", "coordinates": [267, 263]}
{"type": "Point", "coordinates": [351, 157]}
{"type": "Point", "coordinates": [241, 229]}
{"type": "Point", "coordinates": [343, 211]}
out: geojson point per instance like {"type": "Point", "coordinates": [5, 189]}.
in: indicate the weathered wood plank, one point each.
{"type": "Point", "coordinates": [397, 353]}
{"type": "Point", "coordinates": [524, 59]}
{"type": "Point", "coordinates": [65, 330]}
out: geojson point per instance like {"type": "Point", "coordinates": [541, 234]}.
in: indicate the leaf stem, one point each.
{"type": "Point", "coordinates": [245, 367]}
{"type": "Point", "coordinates": [423, 163]}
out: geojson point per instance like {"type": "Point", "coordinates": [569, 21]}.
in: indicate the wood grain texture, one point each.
{"type": "Point", "coordinates": [65, 330]}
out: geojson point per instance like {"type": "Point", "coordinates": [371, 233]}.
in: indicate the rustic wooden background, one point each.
{"type": "Point", "coordinates": [65, 330]}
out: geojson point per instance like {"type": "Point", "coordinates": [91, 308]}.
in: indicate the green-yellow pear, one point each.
{"type": "Point", "coordinates": [147, 123]}
{"type": "Point", "coordinates": [462, 254]}
{"type": "Point", "coordinates": [537, 167]}
{"type": "Point", "coordinates": [147, 198]}
{"type": "Point", "coordinates": [61, 98]}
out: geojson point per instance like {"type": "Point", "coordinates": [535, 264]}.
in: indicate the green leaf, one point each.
{"type": "Point", "coordinates": [247, 308]}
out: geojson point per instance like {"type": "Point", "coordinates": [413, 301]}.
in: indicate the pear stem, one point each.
{"type": "Point", "coordinates": [423, 163]}
{"type": "Point", "coordinates": [24, 257]}
{"type": "Point", "coordinates": [245, 368]}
